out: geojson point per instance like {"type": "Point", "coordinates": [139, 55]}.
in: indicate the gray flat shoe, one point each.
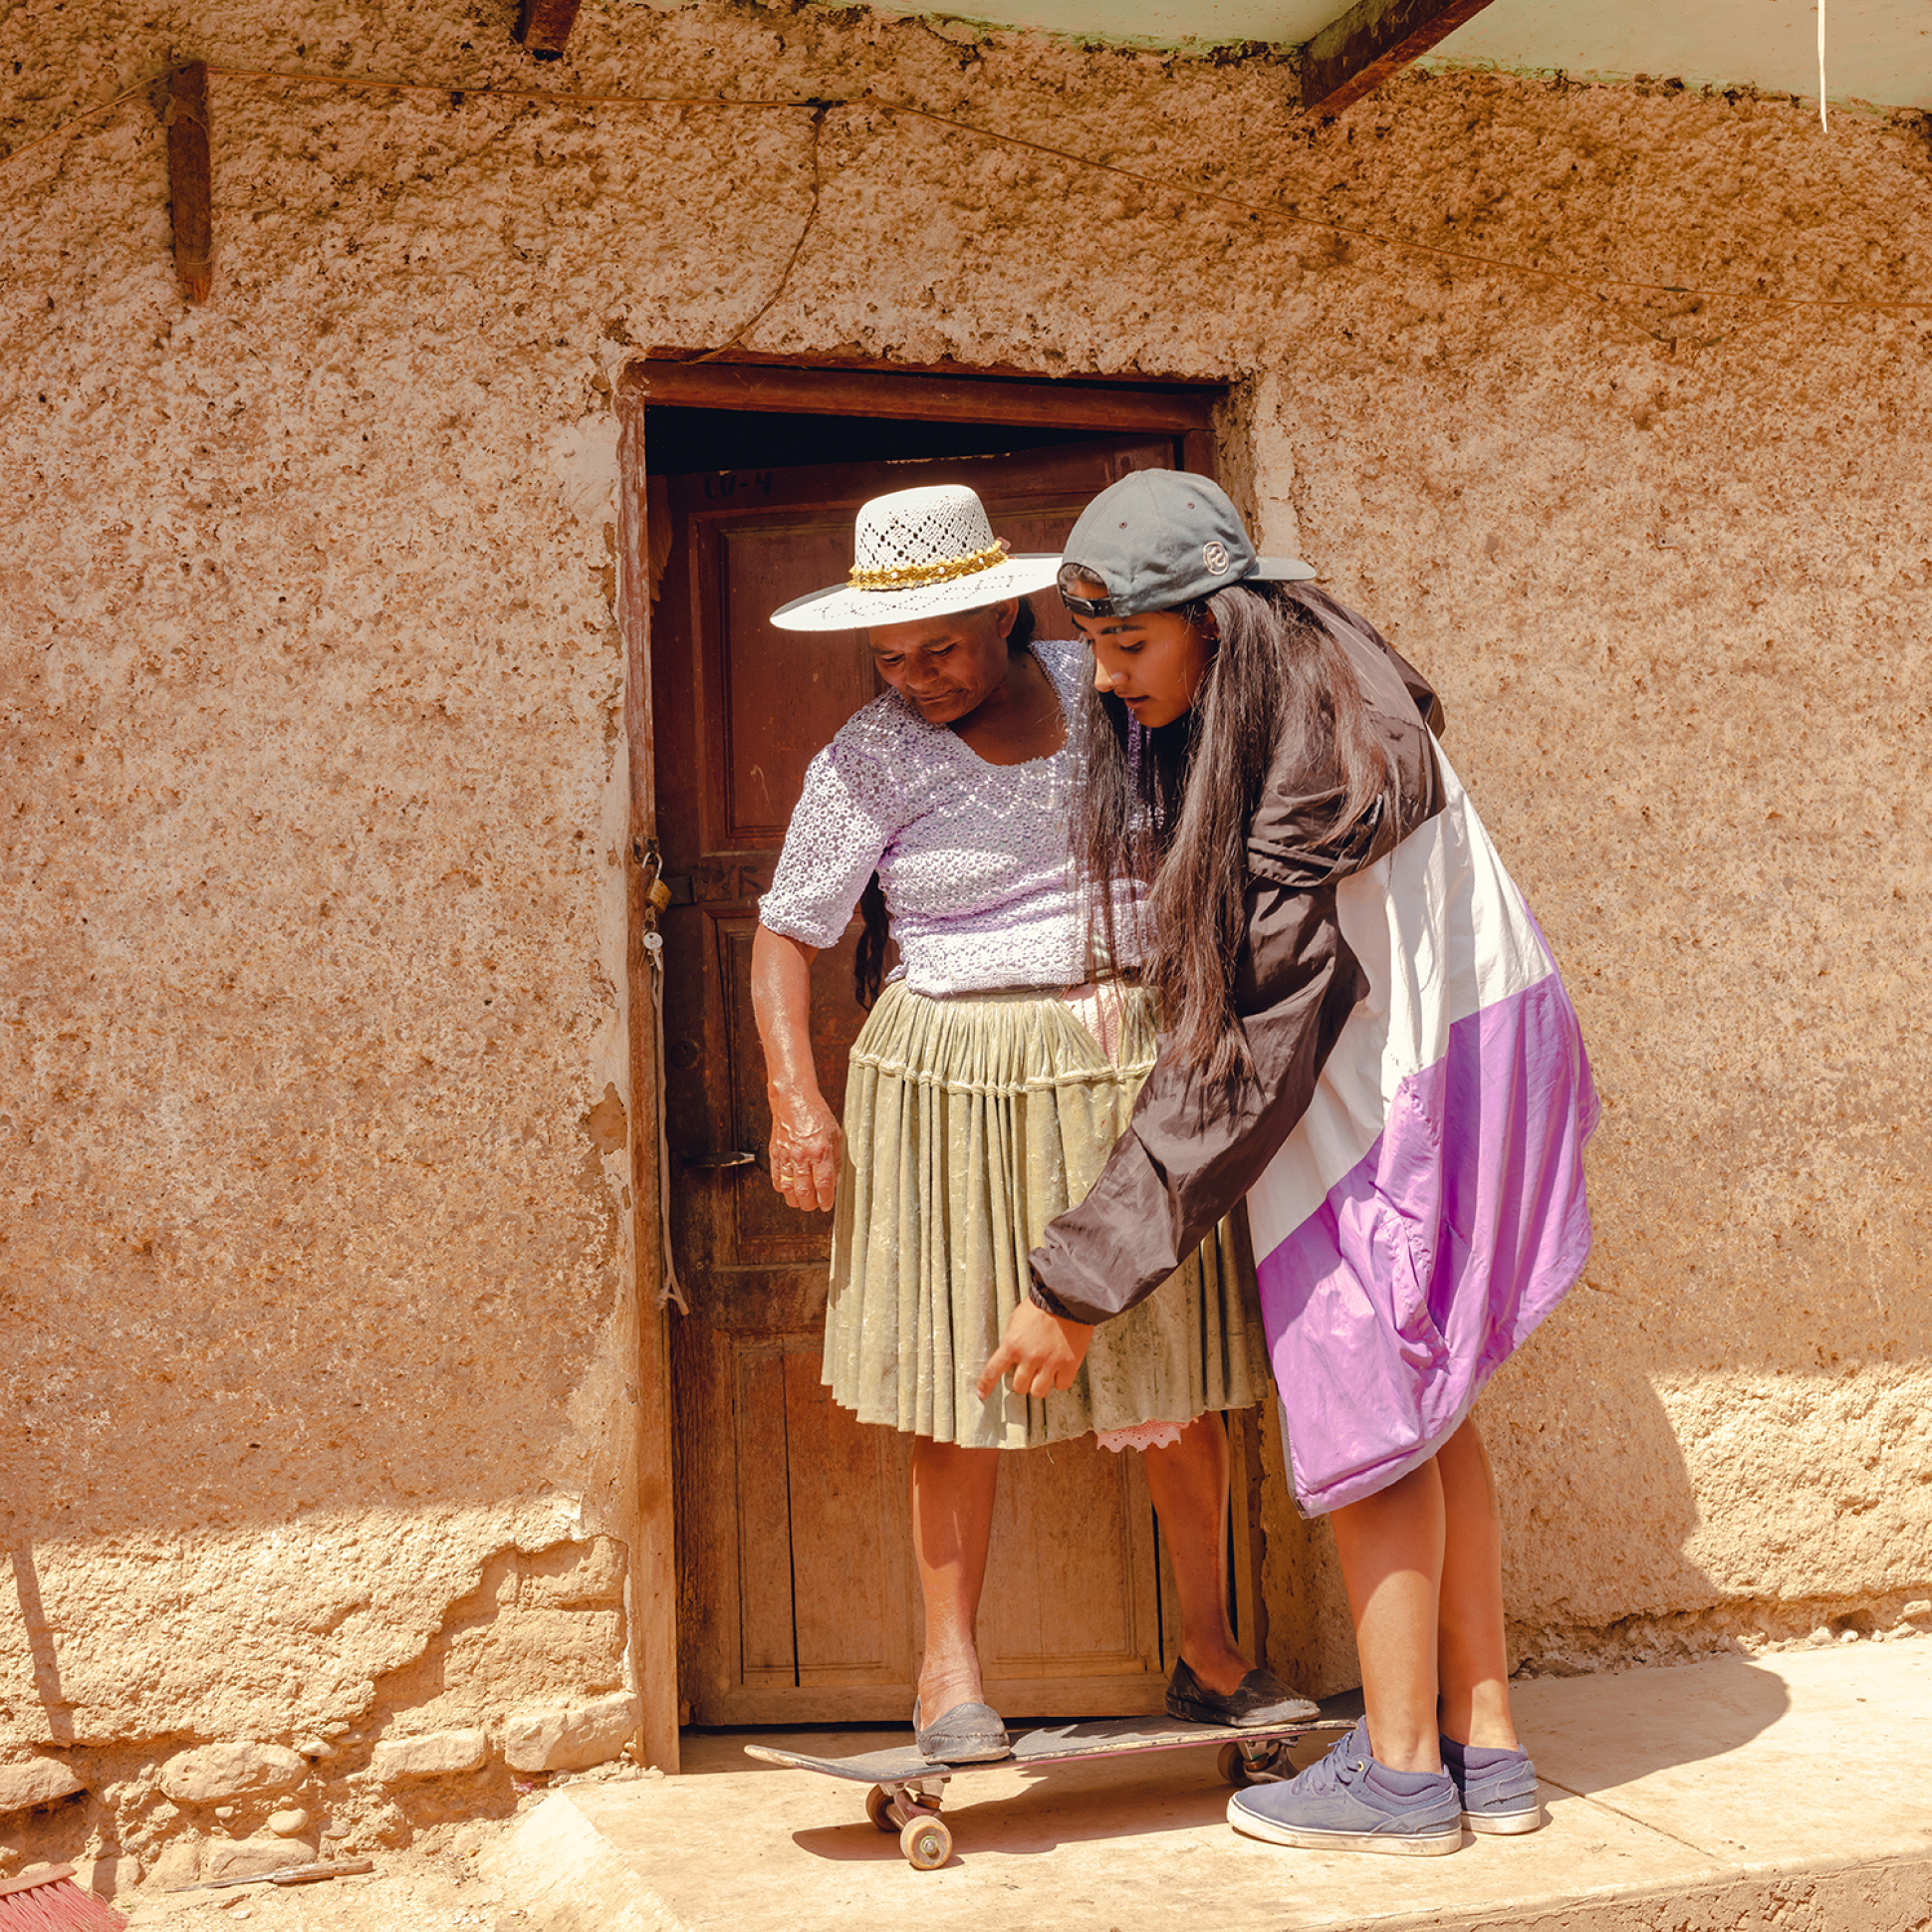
{"type": "Point", "coordinates": [968, 1734]}
{"type": "Point", "coordinates": [1260, 1698]}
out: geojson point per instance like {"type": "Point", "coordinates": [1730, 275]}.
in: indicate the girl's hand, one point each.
{"type": "Point", "coordinates": [1042, 1351]}
{"type": "Point", "coordinates": [807, 1147]}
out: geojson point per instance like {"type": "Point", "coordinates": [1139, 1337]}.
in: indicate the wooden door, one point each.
{"type": "Point", "coordinates": [798, 1602]}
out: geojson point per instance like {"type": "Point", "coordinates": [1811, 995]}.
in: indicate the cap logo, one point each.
{"type": "Point", "coordinates": [1215, 557]}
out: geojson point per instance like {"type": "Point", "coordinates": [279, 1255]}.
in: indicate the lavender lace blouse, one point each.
{"type": "Point", "coordinates": [973, 858]}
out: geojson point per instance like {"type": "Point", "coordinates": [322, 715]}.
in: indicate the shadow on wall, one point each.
{"type": "Point", "coordinates": [1598, 1510]}
{"type": "Point", "coordinates": [45, 1664]}
{"type": "Point", "coordinates": [1611, 1558]}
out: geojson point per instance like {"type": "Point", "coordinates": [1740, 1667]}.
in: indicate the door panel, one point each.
{"type": "Point", "coordinates": [798, 1597]}
{"type": "Point", "coordinates": [785, 691]}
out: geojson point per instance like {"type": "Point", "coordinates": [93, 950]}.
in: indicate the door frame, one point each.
{"type": "Point", "coordinates": [944, 395]}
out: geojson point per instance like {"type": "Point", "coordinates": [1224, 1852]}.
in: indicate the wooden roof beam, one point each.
{"type": "Point", "coordinates": [543, 26]}
{"type": "Point", "coordinates": [190, 180]}
{"type": "Point", "coordinates": [1354, 55]}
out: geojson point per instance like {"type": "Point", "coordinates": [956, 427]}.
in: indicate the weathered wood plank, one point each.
{"type": "Point", "coordinates": [926, 398]}
{"type": "Point", "coordinates": [190, 180]}
{"type": "Point", "coordinates": [851, 1542]}
{"type": "Point", "coordinates": [1354, 55]}
{"type": "Point", "coordinates": [768, 1644]}
{"type": "Point", "coordinates": [543, 26]}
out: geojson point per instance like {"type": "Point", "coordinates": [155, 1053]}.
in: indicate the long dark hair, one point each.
{"type": "Point", "coordinates": [1172, 807]}
{"type": "Point", "coordinates": [868, 961]}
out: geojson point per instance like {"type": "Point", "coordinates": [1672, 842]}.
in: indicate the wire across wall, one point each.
{"type": "Point", "coordinates": [459, 94]}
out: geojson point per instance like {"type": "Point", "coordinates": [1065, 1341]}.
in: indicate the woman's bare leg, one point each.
{"type": "Point", "coordinates": [952, 1524]}
{"type": "Point", "coordinates": [1189, 1484]}
{"type": "Point", "coordinates": [1391, 1545]}
{"type": "Point", "coordinates": [1472, 1663]}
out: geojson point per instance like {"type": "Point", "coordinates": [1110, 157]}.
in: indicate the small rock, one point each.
{"type": "Point", "coordinates": [179, 1864]}
{"type": "Point", "coordinates": [1920, 1607]}
{"type": "Point", "coordinates": [111, 1872]}
{"type": "Point", "coordinates": [224, 1810]}
{"type": "Point", "coordinates": [40, 1780]}
{"type": "Point", "coordinates": [570, 1737]}
{"type": "Point", "coordinates": [285, 1824]}
{"type": "Point", "coordinates": [437, 1754]}
{"type": "Point", "coordinates": [337, 1730]}
{"type": "Point", "coordinates": [217, 1771]}
{"type": "Point", "coordinates": [313, 1747]}
{"type": "Point", "coordinates": [250, 1858]}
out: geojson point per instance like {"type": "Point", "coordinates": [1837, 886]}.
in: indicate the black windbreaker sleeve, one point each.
{"type": "Point", "coordinates": [1191, 1152]}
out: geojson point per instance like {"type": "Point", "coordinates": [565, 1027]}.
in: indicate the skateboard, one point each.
{"type": "Point", "coordinates": [906, 1788]}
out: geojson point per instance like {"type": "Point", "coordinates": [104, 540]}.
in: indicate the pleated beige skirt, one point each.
{"type": "Point", "coordinates": [970, 1123]}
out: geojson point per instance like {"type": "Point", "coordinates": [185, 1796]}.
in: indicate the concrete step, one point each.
{"type": "Point", "coordinates": [1791, 1791]}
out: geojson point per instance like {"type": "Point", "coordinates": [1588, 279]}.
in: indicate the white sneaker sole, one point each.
{"type": "Point", "coordinates": [1407, 1844]}
{"type": "Point", "coordinates": [1504, 1824]}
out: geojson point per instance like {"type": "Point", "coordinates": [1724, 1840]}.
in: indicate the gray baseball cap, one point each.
{"type": "Point", "coordinates": [1162, 538]}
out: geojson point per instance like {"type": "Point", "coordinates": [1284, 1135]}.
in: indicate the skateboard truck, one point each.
{"type": "Point", "coordinates": [911, 1809]}
{"type": "Point", "coordinates": [1242, 1762]}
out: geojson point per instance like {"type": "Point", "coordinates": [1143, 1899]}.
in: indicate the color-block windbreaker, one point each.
{"type": "Point", "coordinates": [1410, 1146]}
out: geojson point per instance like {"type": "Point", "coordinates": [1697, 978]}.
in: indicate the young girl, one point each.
{"type": "Point", "coordinates": [1366, 1036]}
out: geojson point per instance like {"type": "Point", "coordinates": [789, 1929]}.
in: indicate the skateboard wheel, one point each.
{"type": "Point", "coordinates": [1239, 1768]}
{"type": "Point", "coordinates": [878, 1807]}
{"type": "Point", "coordinates": [926, 1842]}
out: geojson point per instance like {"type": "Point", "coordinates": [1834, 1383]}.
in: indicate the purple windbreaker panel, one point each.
{"type": "Point", "coordinates": [1393, 1291]}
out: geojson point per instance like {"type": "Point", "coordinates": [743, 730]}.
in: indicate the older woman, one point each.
{"type": "Point", "coordinates": [984, 1093]}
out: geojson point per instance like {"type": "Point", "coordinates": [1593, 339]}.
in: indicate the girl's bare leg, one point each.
{"type": "Point", "coordinates": [952, 1524]}
{"type": "Point", "coordinates": [1424, 1564]}
{"type": "Point", "coordinates": [1472, 1663]}
{"type": "Point", "coordinates": [1392, 1549]}
{"type": "Point", "coordinates": [1189, 1484]}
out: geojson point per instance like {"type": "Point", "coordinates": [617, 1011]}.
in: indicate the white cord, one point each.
{"type": "Point", "coordinates": [1822, 122]}
{"type": "Point", "coordinates": [668, 1291]}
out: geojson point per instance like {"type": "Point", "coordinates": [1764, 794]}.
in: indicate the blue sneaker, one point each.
{"type": "Point", "coordinates": [1352, 1802]}
{"type": "Point", "coordinates": [1499, 1787]}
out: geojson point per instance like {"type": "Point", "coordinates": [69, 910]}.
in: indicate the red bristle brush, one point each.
{"type": "Point", "coordinates": [46, 1900]}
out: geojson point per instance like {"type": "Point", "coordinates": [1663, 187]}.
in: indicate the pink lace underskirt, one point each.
{"type": "Point", "coordinates": [1141, 1435]}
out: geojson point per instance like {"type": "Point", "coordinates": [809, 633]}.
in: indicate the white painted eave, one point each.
{"type": "Point", "coordinates": [1877, 52]}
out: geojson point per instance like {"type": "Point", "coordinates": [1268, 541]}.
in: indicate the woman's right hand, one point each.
{"type": "Point", "coordinates": [808, 1144]}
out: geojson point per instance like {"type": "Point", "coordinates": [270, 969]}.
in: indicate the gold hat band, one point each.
{"type": "Point", "coordinates": [910, 576]}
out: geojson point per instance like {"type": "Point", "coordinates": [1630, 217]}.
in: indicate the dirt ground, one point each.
{"type": "Point", "coordinates": [424, 1892]}
{"type": "Point", "coordinates": [427, 1894]}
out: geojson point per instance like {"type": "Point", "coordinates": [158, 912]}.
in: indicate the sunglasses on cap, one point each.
{"type": "Point", "coordinates": [1072, 573]}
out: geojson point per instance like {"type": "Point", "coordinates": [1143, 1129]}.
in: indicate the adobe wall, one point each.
{"type": "Point", "coordinates": [319, 1325]}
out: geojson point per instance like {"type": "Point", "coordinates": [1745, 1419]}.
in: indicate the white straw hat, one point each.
{"type": "Point", "coordinates": [919, 554]}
